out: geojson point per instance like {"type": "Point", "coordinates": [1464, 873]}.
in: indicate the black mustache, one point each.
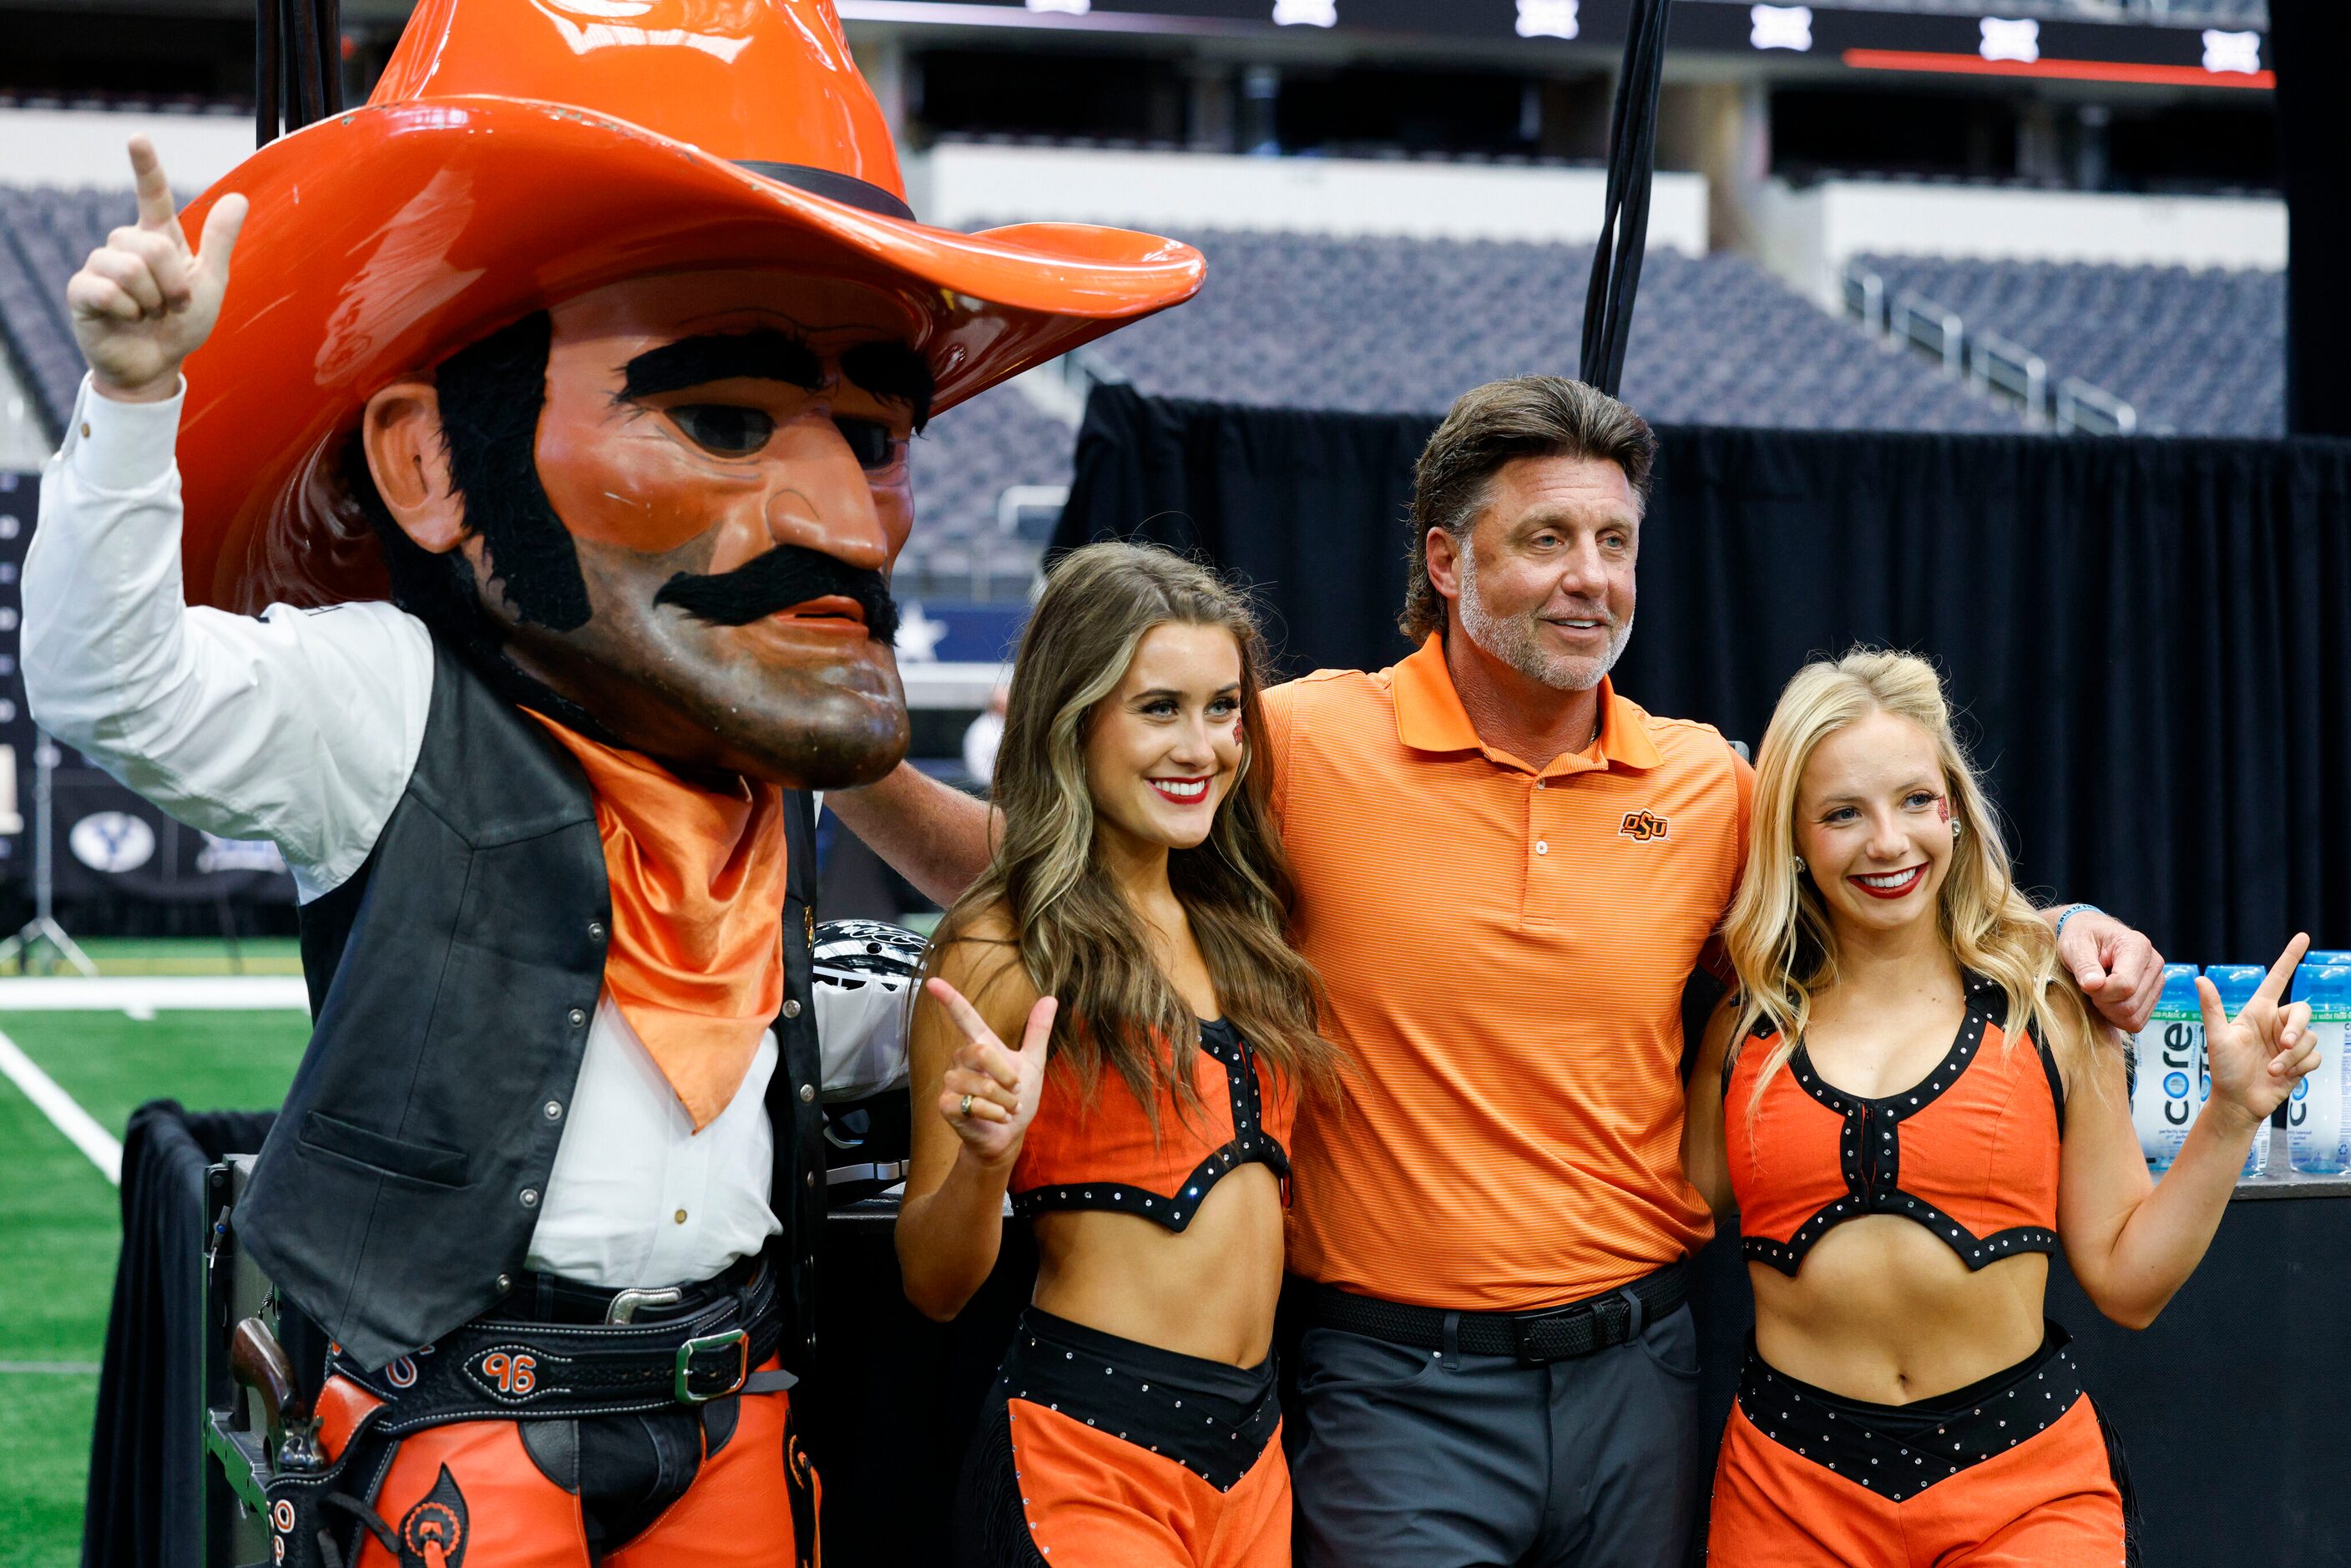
{"type": "Point", "coordinates": [783, 577]}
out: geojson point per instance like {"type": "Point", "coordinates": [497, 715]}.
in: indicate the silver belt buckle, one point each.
{"type": "Point", "coordinates": [625, 1303]}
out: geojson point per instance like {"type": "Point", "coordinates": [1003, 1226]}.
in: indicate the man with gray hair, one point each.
{"type": "Point", "coordinates": [1506, 874]}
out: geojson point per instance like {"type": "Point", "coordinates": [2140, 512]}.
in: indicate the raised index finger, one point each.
{"type": "Point", "coordinates": [2273, 983]}
{"type": "Point", "coordinates": [155, 209]}
{"type": "Point", "coordinates": [966, 1017]}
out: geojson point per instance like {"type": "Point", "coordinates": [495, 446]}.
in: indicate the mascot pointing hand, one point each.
{"type": "Point", "coordinates": [543, 460]}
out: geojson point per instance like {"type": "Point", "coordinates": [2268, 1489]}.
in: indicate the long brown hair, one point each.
{"type": "Point", "coordinates": [1779, 934]}
{"type": "Point", "coordinates": [1074, 932]}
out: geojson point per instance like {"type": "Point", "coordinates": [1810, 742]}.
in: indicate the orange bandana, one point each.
{"type": "Point", "coordinates": [696, 961]}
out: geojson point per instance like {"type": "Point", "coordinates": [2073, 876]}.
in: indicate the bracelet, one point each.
{"type": "Point", "coordinates": [2070, 911]}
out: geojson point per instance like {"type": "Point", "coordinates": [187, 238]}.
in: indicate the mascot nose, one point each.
{"type": "Point", "coordinates": [822, 499]}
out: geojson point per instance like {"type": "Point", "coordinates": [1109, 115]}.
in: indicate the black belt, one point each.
{"type": "Point", "coordinates": [517, 1368]}
{"type": "Point", "coordinates": [1554, 1333]}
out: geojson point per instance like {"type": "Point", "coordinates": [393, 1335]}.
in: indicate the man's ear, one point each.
{"type": "Point", "coordinates": [1442, 553]}
{"type": "Point", "coordinates": [409, 461]}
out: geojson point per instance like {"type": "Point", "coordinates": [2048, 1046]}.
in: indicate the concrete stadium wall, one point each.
{"type": "Point", "coordinates": [1807, 236]}
{"type": "Point", "coordinates": [84, 147]}
{"type": "Point", "coordinates": [958, 184]}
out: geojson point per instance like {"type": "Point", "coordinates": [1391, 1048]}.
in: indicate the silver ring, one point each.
{"type": "Point", "coordinates": [964, 1109]}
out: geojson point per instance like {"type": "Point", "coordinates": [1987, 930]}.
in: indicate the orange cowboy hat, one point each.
{"type": "Point", "coordinates": [517, 152]}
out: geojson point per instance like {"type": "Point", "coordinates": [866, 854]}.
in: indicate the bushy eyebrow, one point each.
{"type": "Point", "coordinates": [893, 370]}
{"type": "Point", "coordinates": [764, 355]}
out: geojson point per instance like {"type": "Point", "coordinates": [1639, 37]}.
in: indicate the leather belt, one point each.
{"type": "Point", "coordinates": [518, 1369]}
{"type": "Point", "coordinates": [1555, 1333]}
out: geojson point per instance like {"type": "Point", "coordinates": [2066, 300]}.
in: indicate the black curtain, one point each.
{"type": "Point", "coordinates": [2309, 42]}
{"type": "Point", "coordinates": [145, 1504]}
{"type": "Point", "coordinates": [2150, 639]}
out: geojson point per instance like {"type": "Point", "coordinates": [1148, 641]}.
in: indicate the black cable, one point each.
{"type": "Point", "coordinates": [309, 102]}
{"type": "Point", "coordinates": [297, 65]}
{"type": "Point", "coordinates": [330, 57]}
{"type": "Point", "coordinates": [266, 70]}
{"type": "Point", "coordinates": [1617, 254]}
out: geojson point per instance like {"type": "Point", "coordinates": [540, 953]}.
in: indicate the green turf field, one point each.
{"type": "Point", "coordinates": [59, 1225]}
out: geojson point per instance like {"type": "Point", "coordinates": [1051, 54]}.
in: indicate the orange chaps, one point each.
{"type": "Point", "coordinates": [1097, 1452]}
{"type": "Point", "coordinates": [2012, 1472]}
{"type": "Point", "coordinates": [722, 1484]}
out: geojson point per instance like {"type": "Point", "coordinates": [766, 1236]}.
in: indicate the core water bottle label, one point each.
{"type": "Point", "coordinates": [2164, 1092]}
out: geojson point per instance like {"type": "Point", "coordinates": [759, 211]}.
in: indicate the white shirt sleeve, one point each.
{"type": "Point", "coordinates": [302, 726]}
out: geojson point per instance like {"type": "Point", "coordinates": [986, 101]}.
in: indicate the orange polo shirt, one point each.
{"type": "Point", "coordinates": [1505, 950]}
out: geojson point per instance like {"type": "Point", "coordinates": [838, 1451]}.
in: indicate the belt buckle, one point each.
{"type": "Point", "coordinates": [1525, 1331]}
{"type": "Point", "coordinates": [736, 1340]}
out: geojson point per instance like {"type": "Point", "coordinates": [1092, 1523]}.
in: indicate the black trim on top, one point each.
{"type": "Point", "coordinates": [1870, 1151]}
{"type": "Point", "coordinates": [1251, 1142]}
{"type": "Point", "coordinates": [833, 186]}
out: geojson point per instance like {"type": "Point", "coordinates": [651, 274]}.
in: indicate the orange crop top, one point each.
{"type": "Point", "coordinates": [1970, 1153]}
{"type": "Point", "coordinates": [1104, 1156]}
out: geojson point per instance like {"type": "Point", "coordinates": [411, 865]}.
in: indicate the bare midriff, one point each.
{"type": "Point", "coordinates": [1206, 1290]}
{"type": "Point", "coordinates": [1884, 1311]}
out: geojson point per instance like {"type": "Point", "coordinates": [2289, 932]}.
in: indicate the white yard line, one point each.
{"type": "Point", "coordinates": [144, 995]}
{"type": "Point", "coordinates": [64, 1114]}
{"type": "Point", "coordinates": [50, 1368]}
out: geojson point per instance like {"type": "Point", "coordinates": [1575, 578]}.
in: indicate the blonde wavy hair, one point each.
{"type": "Point", "coordinates": [1779, 934]}
{"type": "Point", "coordinates": [1074, 934]}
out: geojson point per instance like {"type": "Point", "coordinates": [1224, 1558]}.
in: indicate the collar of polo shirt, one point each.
{"type": "Point", "coordinates": [1430, 718]}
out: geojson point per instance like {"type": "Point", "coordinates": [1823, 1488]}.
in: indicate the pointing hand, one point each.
{"type": "Point", "coordinates": [143, 301]}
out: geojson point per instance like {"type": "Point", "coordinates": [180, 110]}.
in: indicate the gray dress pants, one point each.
{"type": "Point", "coordinates": [1414, 1458]}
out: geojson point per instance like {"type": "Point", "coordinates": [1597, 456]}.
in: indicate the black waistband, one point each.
{"type": "Point", "coordinates": [519, 1366]}
{"type": "Point", "coordinates": [1900, 1450]}
{"type": "Point", "coordinates": [1552, 1334]}
{"type": "Point", "coordinates": [1212, 1418]}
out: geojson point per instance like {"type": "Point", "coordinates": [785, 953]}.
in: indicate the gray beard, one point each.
{"type": "Point", "coordinates": [1512, 642]}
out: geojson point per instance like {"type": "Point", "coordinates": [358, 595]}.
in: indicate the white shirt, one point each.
{"type": "Point", "coordinates": [302, 728]}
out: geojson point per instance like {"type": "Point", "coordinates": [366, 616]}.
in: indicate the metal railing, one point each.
{"type": "Point", "coordinates": [1995, 366]}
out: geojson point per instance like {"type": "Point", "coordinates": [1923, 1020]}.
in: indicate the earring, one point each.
{"type": "Point", "coordinates": [1957, 830]}
{"type": "Point", "coordinates": [1801, 867]}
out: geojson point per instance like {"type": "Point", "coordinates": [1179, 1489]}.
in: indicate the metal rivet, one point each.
{"type": "Point", "coordinates": [791, 1006]}
{"type": "Point", "coordinates": [595, 930]}
{"type": "Point", "coordinates": [553, 1110]}
{"type": "Point", "coordinates": [577, 1017]}
{"type": "Point", "coordinates": [530, 1197]}
{"type": "Point", "coordinates": [807, 1093]}
{"type": "Point", "coordinates": [506, 1283]}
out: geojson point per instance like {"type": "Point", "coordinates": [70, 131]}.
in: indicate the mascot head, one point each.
{"type": "Point", "coordinates": [597, 338]}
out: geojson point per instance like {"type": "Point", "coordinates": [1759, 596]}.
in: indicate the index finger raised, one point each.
{"type": "Point", "coordinates": [155, 209]}
{"type": "Point", "coordinates": [2273, 983]}
{"type": "Point", "coordinates": [966, 1017]}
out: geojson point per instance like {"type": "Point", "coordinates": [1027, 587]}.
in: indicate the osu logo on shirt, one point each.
{"type": "Point", "coordinates": [1643, 826]}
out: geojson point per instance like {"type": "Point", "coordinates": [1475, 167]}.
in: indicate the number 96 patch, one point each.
{"type": "Point", "coordinates": [514, 1373]}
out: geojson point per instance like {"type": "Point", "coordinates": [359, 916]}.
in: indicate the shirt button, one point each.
{"type": "Point", "coordinates": [553, 1110]}
{"type": "Point", "coordinates": [1541, 848]}
{"type": "Point", "coordinates": [530, 1197]}
{"type": "Point", "coordinates": [576, 1016]}
{"type": "Point", "coordinates": [1541, 784]}
{"type": "Point", "coordinates": [807, 1093]}
{"type": "Point", "coordinates": [791, 1006]}
{"type": "Point", "coordinates": [679, 1217]}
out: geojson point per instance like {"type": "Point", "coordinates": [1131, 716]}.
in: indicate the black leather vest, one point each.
{"type": "Point", "coordinates": [451, 983]}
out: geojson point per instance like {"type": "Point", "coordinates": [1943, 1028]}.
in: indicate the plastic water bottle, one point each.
{"type": "Point", "coordinates": [2166, 1059]}
{"type": "Point", "coordinates": [2315, 1128]}
{"type": "Point", "coordinates": [2236, 983]}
